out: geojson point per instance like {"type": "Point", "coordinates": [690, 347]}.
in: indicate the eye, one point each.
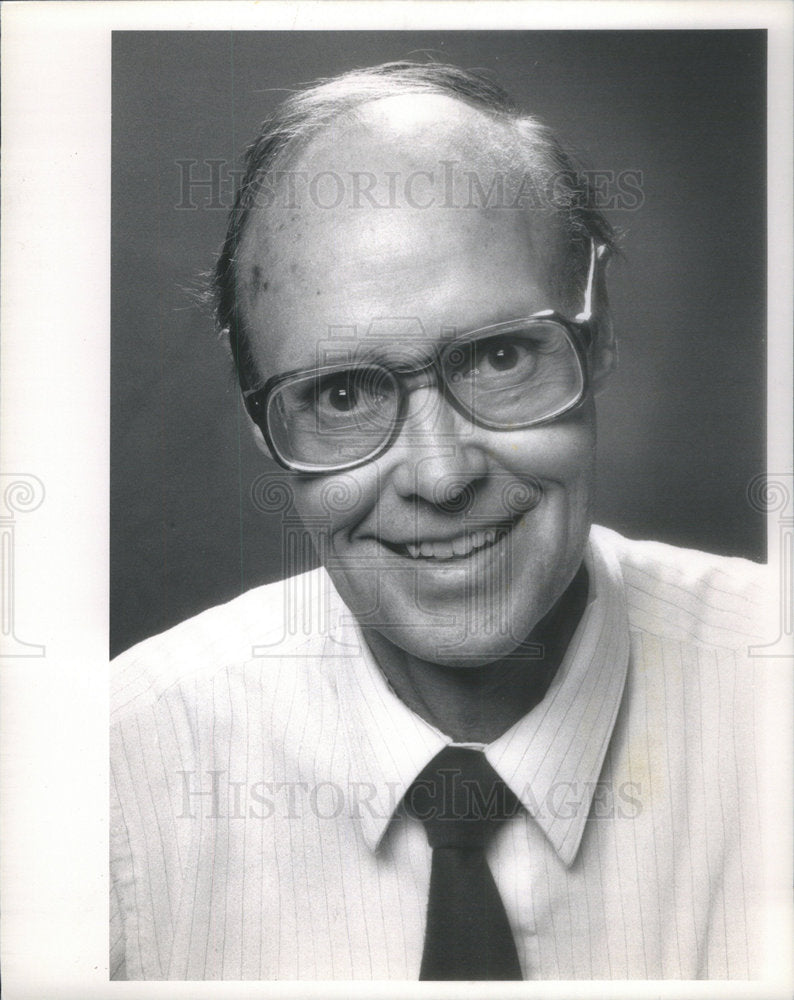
{"type": "Point", "coordinates": [355, 392]}
{"type": "Point", "coordinates": [340, 394]}
{"type": "Point", "coordinates": [502, 357]}
{"type": "Point", "coordinates": [506, 354]}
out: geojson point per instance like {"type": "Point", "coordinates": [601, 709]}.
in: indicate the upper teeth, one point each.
{"type": "Point", "coordinates": [457, 547]}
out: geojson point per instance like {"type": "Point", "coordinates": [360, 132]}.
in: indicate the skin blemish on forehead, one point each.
{"type": "Point", "coordinates": [254, 285]}
{"type": "Point", "coordinates": [258, 282]}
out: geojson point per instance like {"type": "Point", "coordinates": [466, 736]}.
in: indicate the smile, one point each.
{"type": "Point", "coordinates": [462, 547]}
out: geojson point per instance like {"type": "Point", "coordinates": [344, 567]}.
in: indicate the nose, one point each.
{"type": "Point", "coordinates": [436, 456]}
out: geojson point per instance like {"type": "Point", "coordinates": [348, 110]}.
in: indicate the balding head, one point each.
{"type": "Point", "coordinates": [409, 180]}
{"type": "Point", "coordinates": [421, 140]}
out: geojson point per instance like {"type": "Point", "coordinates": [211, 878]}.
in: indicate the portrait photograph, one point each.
{"type": "Point", "coordinates": [437, 391]}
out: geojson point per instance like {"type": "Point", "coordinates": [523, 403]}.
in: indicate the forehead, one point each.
{"type": "Point", "coordinates": [385, 224]}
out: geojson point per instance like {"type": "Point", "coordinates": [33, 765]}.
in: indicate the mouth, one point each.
{"type": "Point", "coordinates": [463, 546]}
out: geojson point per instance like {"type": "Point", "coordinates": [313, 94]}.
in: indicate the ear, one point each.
{"type": "Point", "coordinates": [256, 433]}
{"type": "Point", "coordinates": [604, 352]}
{"type": "Point", "coordinates": [253, 427]}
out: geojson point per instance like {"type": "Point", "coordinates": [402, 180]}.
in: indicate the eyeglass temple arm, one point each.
{"type": "Point", "coordinates": [598, 252]}
{"type": "Point", "coordinates": [603, 346]}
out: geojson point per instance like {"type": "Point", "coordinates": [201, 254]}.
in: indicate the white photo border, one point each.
{"type": "Point", "coordinates": [56, 64]}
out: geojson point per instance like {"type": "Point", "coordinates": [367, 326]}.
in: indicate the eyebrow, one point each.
{"type": "Point", "coordinates": [408, 355]}
{"type": "Point", "coordinates": [354, 353]}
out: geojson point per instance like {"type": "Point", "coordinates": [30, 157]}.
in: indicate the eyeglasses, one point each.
{"type": "Point", "coordinates": [503, 377]}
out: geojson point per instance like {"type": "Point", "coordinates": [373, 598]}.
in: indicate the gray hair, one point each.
{"type": "Point", "coordinates": [305, 113]}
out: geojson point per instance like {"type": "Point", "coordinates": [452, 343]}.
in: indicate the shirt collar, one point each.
{"type": "Point", "coordinates": [551, 758]}
{"type": "Point", "coordinates": [388, 744]}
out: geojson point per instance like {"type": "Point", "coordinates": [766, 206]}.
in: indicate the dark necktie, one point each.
{"type": "Point", "coordinates": [461, 800]}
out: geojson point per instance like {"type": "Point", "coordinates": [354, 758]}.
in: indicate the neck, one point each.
{"type": "Point", "coordinates": [478, 704]}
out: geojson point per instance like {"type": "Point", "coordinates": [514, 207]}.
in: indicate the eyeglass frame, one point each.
{"type": "Point", "coordinates": [582, 332]}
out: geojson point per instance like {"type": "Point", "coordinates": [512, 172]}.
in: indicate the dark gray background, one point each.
{"type": "Point", "coordinates": [682, 426]}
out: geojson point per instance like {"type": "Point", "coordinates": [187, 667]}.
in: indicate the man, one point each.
{"type": "Point", "coordinates": [413, 292]}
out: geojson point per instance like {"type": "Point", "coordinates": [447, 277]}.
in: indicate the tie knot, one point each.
{"type": "Point", "coordinates": [460, 799]}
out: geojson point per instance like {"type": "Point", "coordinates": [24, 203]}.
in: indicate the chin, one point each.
{"type": "Point", "coordinates": [450, 645]}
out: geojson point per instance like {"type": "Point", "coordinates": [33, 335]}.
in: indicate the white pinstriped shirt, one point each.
{"type": "Point", "coordinates": [258, 759]}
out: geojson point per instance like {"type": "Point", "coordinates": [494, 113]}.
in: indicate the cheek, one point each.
{"type": "Point", "coordinates": [335, 504]}
{"type": "Point", "coordinates": [562, 452]}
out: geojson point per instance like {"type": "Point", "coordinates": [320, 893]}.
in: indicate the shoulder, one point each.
{"type": "Point", "coordinates": [684, 593]}
{"type": "Point", "coordinates": [220, 638]}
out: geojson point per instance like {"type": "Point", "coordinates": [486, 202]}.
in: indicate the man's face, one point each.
{"type": "Point", "coordinates": [457, 583]}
